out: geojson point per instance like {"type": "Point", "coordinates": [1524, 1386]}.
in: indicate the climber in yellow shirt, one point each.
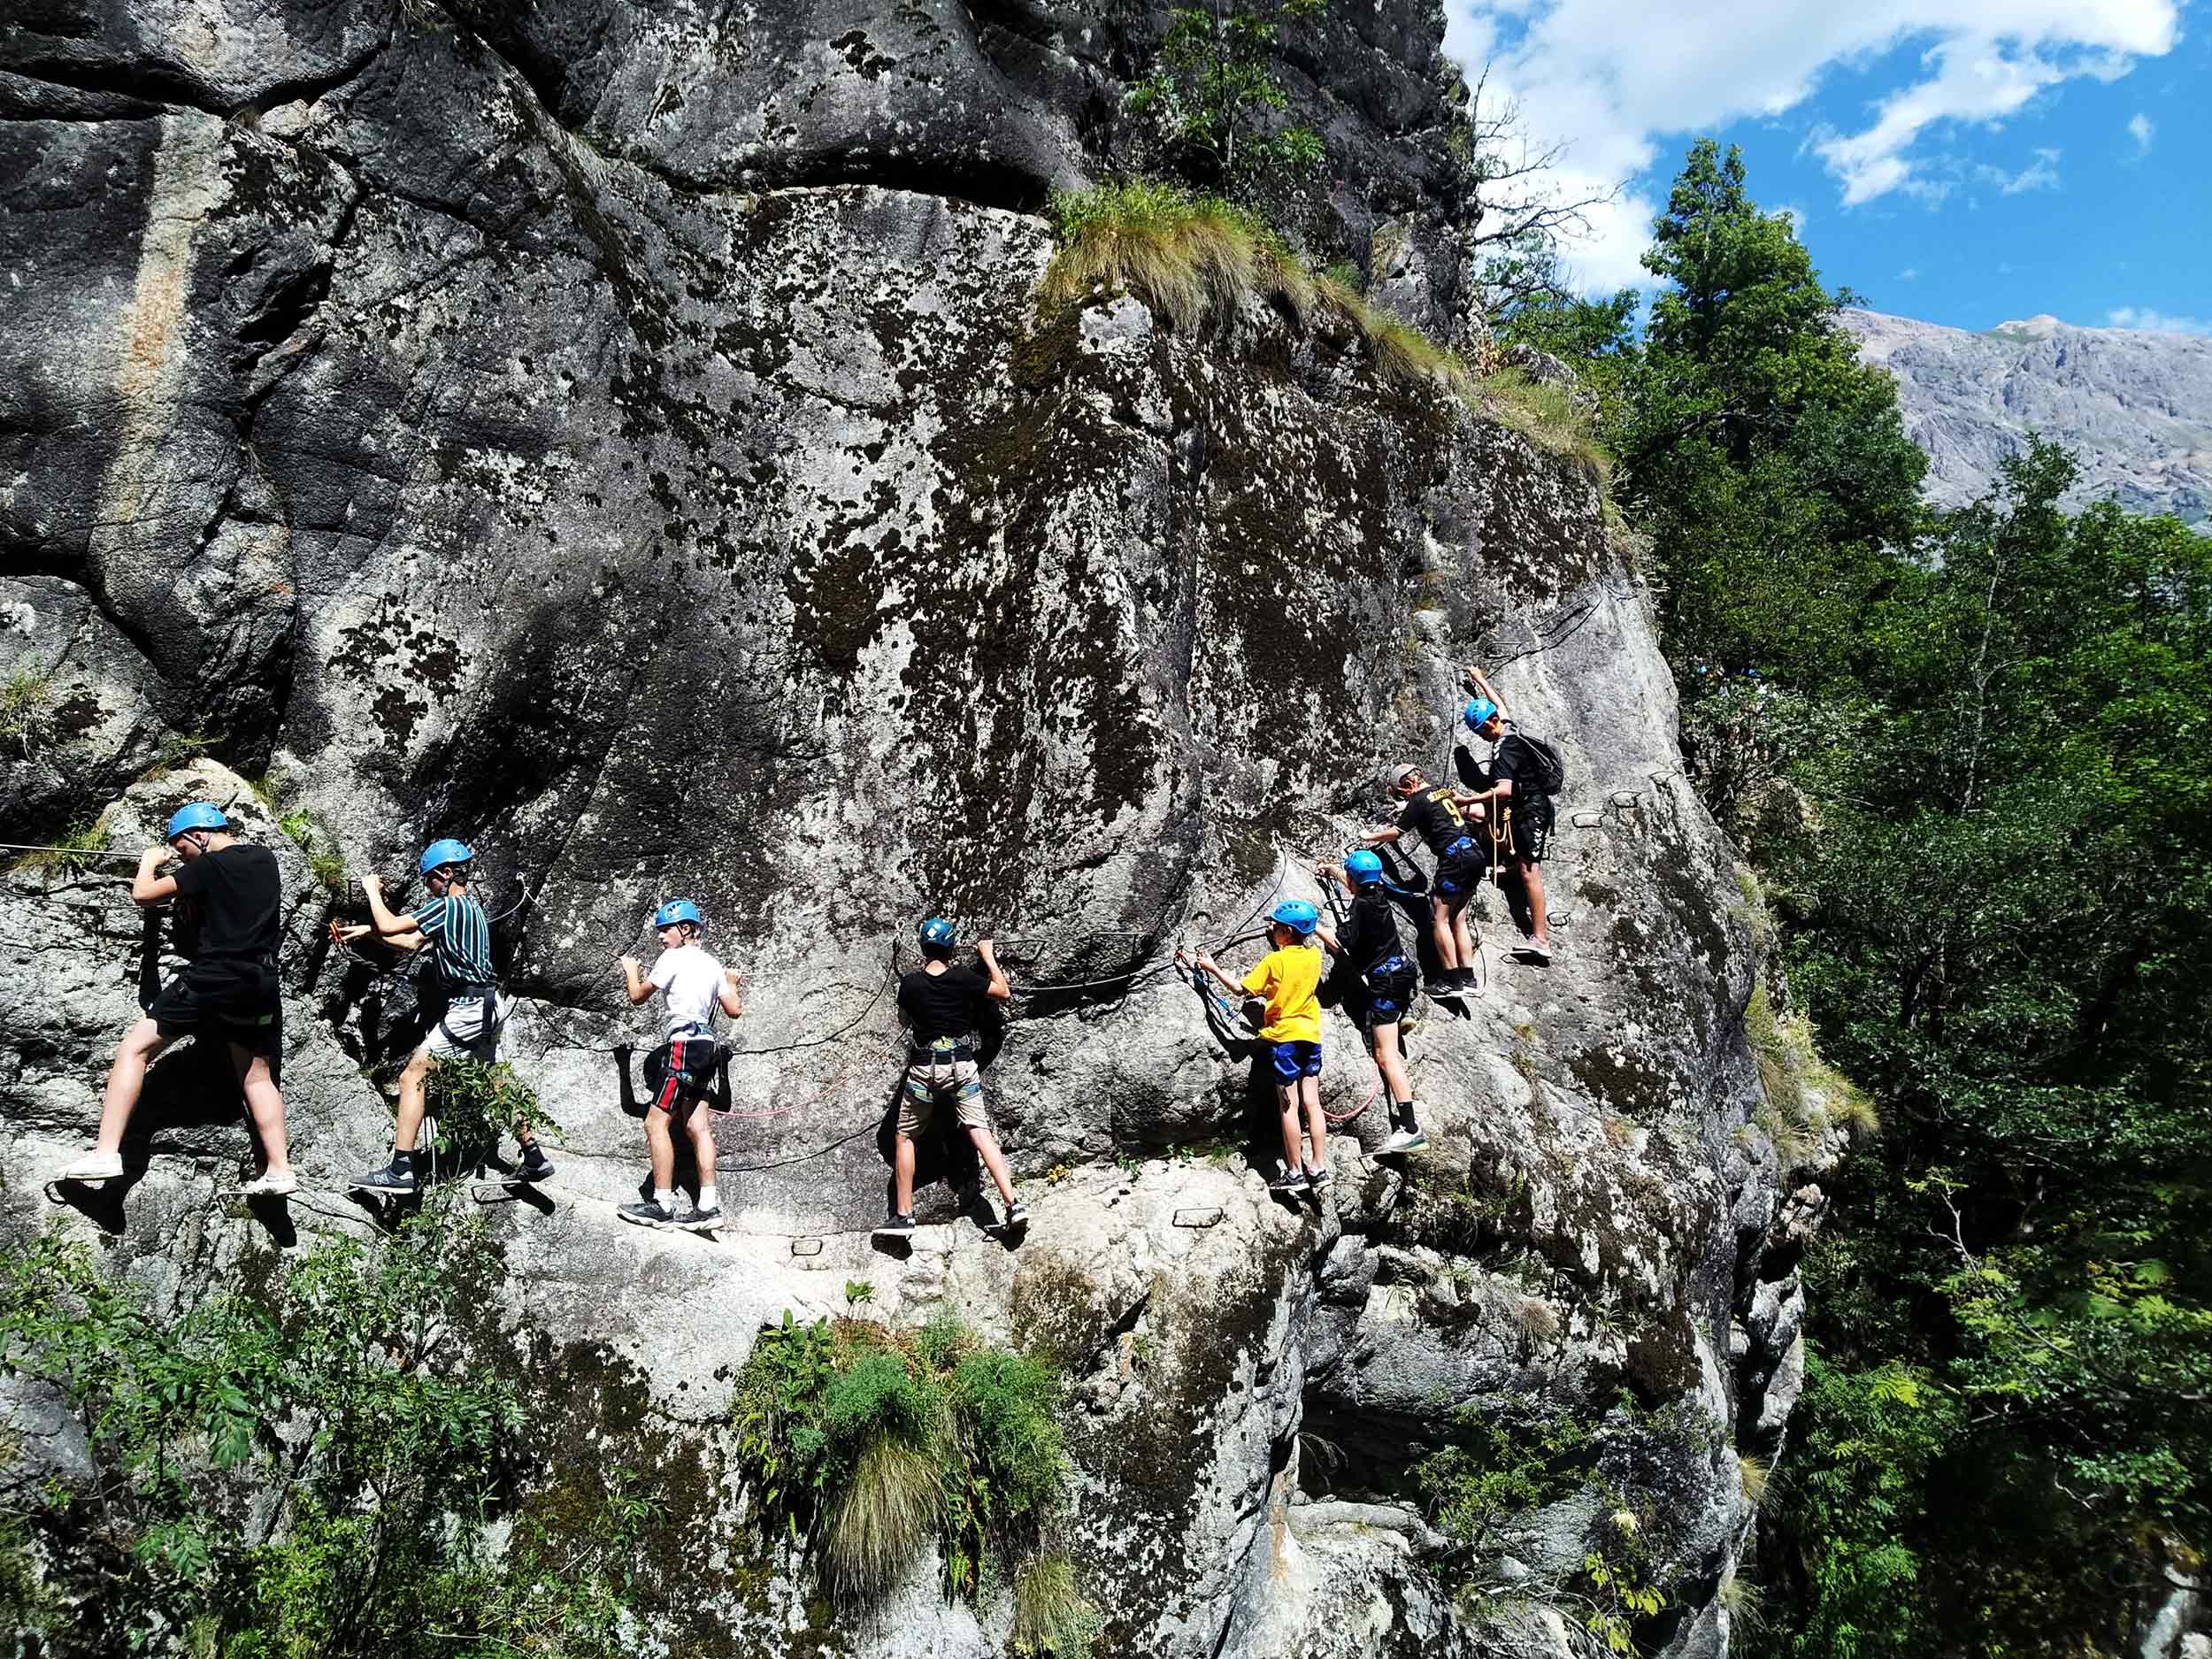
{"type": "Point", "coordinates": [1289, 977]}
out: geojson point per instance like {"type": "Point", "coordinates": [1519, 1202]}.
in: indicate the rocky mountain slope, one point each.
{"type": "Point", "coordinates": [2135, 407]}
{"type": "Point", "coordinates": [631, 441]}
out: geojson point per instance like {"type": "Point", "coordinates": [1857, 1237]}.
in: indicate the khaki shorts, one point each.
{"type": "Point", "coordinates": [465, 1034]}
{"type": "Point", "coordinates": [925, 1083]}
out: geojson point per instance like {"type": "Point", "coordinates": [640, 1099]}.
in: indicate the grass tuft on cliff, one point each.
{"type": "Point", "coordinates": [1196, 260]}
{"type": "Point", "coordinates": [874, 1445]}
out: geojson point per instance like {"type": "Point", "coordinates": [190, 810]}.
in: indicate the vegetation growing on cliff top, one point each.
{"type": "Point", "coordinates": [874, 1445]}
{"type": "Point", "coordinates": [1195, 259]}
{"type": "Point", "coordinates": [309, 1468]}
{"type": "Point", "coordinates": [1968, 753]}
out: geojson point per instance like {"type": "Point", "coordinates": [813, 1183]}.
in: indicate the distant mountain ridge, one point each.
{"type": "Point", "coordinates": [2135, 407]}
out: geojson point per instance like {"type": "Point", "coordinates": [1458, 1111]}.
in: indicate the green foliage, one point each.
{"type": "Point", "coordinates": [474, 1103]}
{"type": "Point", "coordinates": [313, 1474]}
{"type": "Point", "coordinates": [324, 861]}
{"type": "Point", "coordinates": [1504, 1468]}
{"type": "Point", "coordinates": [1214, 90]}
{"type": "Point", "coordinates": [77, 850]}
{"type": "Point", "coordinates": [872, 1444]}
{"type": "Point", "coordinates": [177, 748]}
{"type": "Point", "coordinates": [1051, 1616]}
{"type": "Point", "coordinates": [24, 696]}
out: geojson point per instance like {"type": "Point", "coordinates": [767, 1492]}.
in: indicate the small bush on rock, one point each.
{"type": "Point", "coordinates": [873, 1444]}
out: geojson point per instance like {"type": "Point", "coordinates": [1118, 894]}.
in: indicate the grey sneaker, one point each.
{"type": "Point", "coordinates": [1017, 1214]}
{"type": "Point", "coordinates": [896, 1227]}
{"type": "Point", "coordinates": [94, 1167]}
{"type": "Point", "coordinates": [389, 1179]}
{"type": "Point", "coordinates": [650, 1213]}
{"type": "Point", "coordinates": [697, 1220]}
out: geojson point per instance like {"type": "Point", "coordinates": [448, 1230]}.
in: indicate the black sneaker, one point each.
{"type": "Point", "coordinates": [1292, 1183]}
{"type": "Point", "coordinates": [535, 1166]}
{"type": "Point", "coordinates": [697, 1220]}
{"type": "Point", "coordinates": [390, 1177]}
{"type": "Point", "coordinates": [1320, 1178]}
{"type": "Point", "coordinates": [1017, 1214]}
{"type": "Point", "coordinates": [896, 1227]}
{"type": "Point", "coordinates": [650, 1213]}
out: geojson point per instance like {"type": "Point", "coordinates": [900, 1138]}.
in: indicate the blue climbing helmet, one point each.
{"type": "Point", "coordinates": [1479, 712]}
{"type": "Point", "coordinates": [1295, 914]}
{"type": "Point", "coordinates": [439, 854]}
{"type": "Point", "coordinates": [937, 933]}
{"type": "Point", "coordinates": [199, 815]}
{"type": "Point", "coordinates": [1363, 867]}
{"type": "Point", "coordinates": [676, 912]}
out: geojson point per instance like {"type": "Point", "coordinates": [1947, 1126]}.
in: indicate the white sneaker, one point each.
{"type": "Point", "coordinates": [280, 1185]}
{"type": "Point", "coordinates": [95, 1166]}
{"type": "Point", "coordinates": [1536, 950]}
{"type": "Point", "coordinates": [1403, 1140]}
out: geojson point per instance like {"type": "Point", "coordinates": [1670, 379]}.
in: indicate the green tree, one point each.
{"type": "Point", "coordinates": [1215, 91]}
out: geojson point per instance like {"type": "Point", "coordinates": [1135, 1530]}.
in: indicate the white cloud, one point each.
{"type": "Point", "coordinates": [1911, 274]}
{"type": "Point", "coordinates": [1798, 218]}
{"type": "Point", "coordinates": [1617, 79]}
{"type": "Point", "coordinates": [2142, 129]}
{"type": "Point", "coordinates": [2039, 174]}
{"type": "Point", "coordinates": [2156, 322]}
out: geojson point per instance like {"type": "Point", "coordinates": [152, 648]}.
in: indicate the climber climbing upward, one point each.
{"type": "Point", "coordinates": [228, 990]}
{"type": "Point", "coordinates": [1370, 944]}
{"type": "Point", "coordinates": [942, 1006]}
{"type": "Point", "coordinates": [471, 1024]}
{"type": "Point", "coordinates": [1519, 808]}
{"type": "Point", "coordinates": [1289, 977]}
{"type": "Point", "coordinates": [698, 987]}
{"type": "Point", "coordinates": [1440, 816]}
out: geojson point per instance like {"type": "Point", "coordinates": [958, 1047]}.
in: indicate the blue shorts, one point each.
{"type": "Point", "coordinates": [1295, 1060]}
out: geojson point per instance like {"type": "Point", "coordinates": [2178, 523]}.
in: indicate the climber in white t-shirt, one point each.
{"type": "Point", "coordinates": [697, 988]}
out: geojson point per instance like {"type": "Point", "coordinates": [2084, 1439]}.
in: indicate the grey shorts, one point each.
{"type": "Point", "coordinates": [465, 1035]}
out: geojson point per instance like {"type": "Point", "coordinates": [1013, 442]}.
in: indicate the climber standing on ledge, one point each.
{"type": "Point", "coordinates": [1520, 811]}
{"type": "Point", "coordinates": [1289, 977]}
{"type": "Point", "coordinates": [229, 989]}
{"type": "Point", "coordinates": [474, 1023]}
{"type": "Point", "coordinates": [1439, 818]}
{"type": "Point", "coordinates": [697, 988]}
{"type": "Point", "coordinates": [1370, 944]}
{"type": "Point", "coordinates": [940, 1005]}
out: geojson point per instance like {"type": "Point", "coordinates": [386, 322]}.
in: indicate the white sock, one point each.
{"type": "Point", "coordinates": [708, 1199]}
{"type": "Point", "coordinates": [665, 1197]}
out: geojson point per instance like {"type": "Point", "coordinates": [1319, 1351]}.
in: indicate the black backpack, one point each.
{"type": "Point", "coordinates": [1549, 774]}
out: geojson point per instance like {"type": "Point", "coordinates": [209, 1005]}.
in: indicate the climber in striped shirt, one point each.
{"type": "Point", "coordinates": [474, 1023]}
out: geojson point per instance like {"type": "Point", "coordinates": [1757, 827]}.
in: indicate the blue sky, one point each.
{"type": "Point", "coordinates": [1962, 161]}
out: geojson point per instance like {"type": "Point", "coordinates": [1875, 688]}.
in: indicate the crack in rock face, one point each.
{"type": "Point", "coordinates": [634, 443]}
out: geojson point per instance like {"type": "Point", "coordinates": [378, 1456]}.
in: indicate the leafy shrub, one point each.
{"type": "Point", "coordinates": [1503, 1469]}
{"type": "Point", "coordinates": [313, 1475]}
{"type": "Point", "coordinates": [869, 1444]}
{"type": "Point", "coordinates": [24, 698]}
{"type": "Point", "coordinates": [476, 1102]}
{"type": "Point", "coordinates": [74, 852]}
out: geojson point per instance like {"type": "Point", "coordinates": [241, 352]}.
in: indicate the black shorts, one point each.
{"type": "Point", "coordinates": [1389, 995]}
{"type": "Point", "coordinates": [1460, 871]}
{"type": "Point", "coordinates": [238, 1003]}
{"type": "Point", "coordinates": [685, 1068]}
{"type": "Point", "coordinates": [1528, 835]}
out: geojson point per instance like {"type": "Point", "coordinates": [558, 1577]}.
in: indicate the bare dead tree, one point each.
{"type": "Point", "coordinates": [1515, 210]}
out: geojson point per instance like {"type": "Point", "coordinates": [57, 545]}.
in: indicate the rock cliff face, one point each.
{"type": "Point", "coordinates": [633, 443]}
{"type": "Point", "coordinates": [2130, 404]}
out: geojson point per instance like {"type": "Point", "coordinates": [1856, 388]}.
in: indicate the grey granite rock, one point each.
{"type": "Point", "coordinates": [470, 440]}
{"type": "Point", "coordinates": [2133, 405]}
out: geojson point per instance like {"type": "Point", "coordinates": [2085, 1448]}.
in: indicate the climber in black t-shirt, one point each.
{"type": "Point", "coordinates": [942, 1006]}
{"type": "Point", "coordinates": [1371, 945]}
{"type": "Point", "coordinates": [228, 990]}
{"type": "Point", "coordinates": [1441, 818]}
{"type": "Point", "coordinates": [1520, 813]}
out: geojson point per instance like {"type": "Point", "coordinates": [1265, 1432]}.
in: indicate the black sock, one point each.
{"type": "Point", "coordinates": [403, 1161]}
